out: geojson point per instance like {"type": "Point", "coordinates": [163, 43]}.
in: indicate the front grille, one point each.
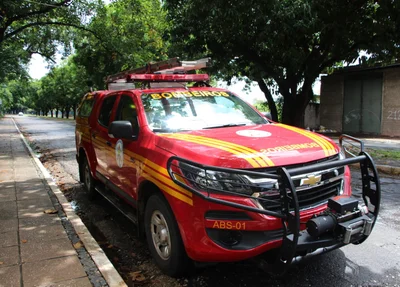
{"type": "Point", "coordinates": [307, 197]}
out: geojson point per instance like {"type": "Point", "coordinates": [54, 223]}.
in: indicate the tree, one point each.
{"type": "Point", "coordinates": [133, 35]}
{"type": "Point", "coordinates": [17, 94]}
{"type": "Point", "coordinates": [61, 89]}
{"type": "Point", "coordinates": [39, 27]}
{"type": "Point", "coordinates": [283, 42]}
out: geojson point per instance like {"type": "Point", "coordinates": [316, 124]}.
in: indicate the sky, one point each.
{"type": "Point", "coordinates": [37, 67]}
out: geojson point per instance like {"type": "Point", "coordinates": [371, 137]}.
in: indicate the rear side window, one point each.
{"type": "Point", "coordinates": [86, 107]}
{"type": "Point", "coordinates": [106, 110]}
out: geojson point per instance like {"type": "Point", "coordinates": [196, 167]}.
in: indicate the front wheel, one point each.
{"type": "Point", "coordinates": [163, 237]}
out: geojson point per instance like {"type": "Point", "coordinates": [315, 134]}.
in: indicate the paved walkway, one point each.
{"type": "Point", "coordinates": [35, 250]}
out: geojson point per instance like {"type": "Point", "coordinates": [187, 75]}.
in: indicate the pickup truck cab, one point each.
{"type": "Point", "coordinates": [209, 179]}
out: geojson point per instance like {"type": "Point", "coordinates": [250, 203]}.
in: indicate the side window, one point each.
{"type": "Point", "coordinates": [127, 112]}
{"type": "Point", "coordinates": [106, 110]}
{"type": "Point", "coordinates": [86, 107]}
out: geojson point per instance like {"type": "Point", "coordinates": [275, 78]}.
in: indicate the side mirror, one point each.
{"type": "Point", "coordinates": [121, 129]}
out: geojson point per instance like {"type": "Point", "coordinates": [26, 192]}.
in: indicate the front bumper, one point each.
{"type": "Point", "coordinates": [295, 242]}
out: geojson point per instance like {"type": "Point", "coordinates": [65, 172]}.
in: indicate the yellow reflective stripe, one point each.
{"type": "Point", "coordinates": [158, 171]}
{"type": "Point", "coordinates": [324, 144]}
{"type": "Point", "coordinates": [166, 181]}
{"type": "Point", "coordinates": [328, 145]}
{"type": "Point", "coordinates": [158, 176]}
{"type": "Point", "coordinates": [214, 144]}
{"type": "Point", "coordinates": [169, 190]}
{"type": "Point", "coordinates": [259, 160]}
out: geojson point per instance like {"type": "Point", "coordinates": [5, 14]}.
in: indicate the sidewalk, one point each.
{"type": "Point", "coordinates": [35, 249]}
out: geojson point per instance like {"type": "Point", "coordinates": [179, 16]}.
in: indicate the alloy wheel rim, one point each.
{"type": "Point", "coordinates": [160, 235]}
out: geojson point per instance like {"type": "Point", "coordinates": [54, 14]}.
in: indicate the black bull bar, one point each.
{"type": "Point", "coordinates": [297, 244]}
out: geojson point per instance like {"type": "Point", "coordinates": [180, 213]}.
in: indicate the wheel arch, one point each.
{"type": "Point", "coordinates": [83, 154]}
{"type": "Point", "coordinates": [145, 191]}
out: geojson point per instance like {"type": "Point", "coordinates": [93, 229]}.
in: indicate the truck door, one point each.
{"type": "Point", "coordinates": [122, 163]}
{"type": "Point", "coordinates": [100, 138]}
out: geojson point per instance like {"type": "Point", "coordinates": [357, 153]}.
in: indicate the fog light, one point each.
{"type": "Point", "coordinates": [230, 237]}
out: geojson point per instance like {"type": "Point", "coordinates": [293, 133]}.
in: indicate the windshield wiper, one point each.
{"type": "Point", "coordinates": [170, 130]}
{"type": "Point", "coordinates": [224, 126]}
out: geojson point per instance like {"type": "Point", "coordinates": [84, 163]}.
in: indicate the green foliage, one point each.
{"type": "Point", "coordinates": [62, 88]}
{"type": "Point", "coordinates": [288, 41]}
{"type": "Point", "coordinates": [16, 94]}
{"type": "Point", "coordinates": [13, 61]}
{"type": "Point", "coordinates": [38, 27]}
{"type": "Point", "coordinates": [261, 106]}
{"type": "Point", "coordinates": [132, 35]}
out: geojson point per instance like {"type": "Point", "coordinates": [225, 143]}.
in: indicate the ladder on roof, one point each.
{"type": "Point", "coordinates": [171, 66]}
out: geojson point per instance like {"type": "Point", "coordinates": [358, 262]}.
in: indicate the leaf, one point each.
{"type": "Point", "coordinates": [1, 262]}
{"type": "Point", "coordinates": [78, 245]}
{"type": "Point", "coordinates": [137, 276]}
{"type": "Point", "coordinates": [24, 241]}
{"type": "Point", "coordinates": [50, 211]}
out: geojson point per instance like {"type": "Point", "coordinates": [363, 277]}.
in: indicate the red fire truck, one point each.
{"type": "Point", "coordinates": [207, 178]}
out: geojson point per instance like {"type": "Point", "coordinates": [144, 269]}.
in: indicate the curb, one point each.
{"type": "Point", "coordinates": [386, 169]}
{"type": "Point", "coordinates": [110, 274]}
{"type": "Point", "coordinates": [393, 170]}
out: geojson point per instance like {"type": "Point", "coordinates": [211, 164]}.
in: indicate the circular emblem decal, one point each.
{"type": "Point", "coordinates": [119, 153]}
{"type": "Point", "coordinates": [253, 133]}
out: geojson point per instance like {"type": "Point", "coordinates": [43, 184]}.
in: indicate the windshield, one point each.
{"type": "Point", "coordinates": [194, 110]}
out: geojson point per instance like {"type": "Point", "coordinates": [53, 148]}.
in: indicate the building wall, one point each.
{"type": "Point", "coordinates": [331, 110]}
{"type": "Point", "coordinates": [311, 116]}
{"type": "Point", "coordinates": [391, 103]}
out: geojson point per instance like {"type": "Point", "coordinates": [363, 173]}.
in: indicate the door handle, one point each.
{"type": "Point", "coordinates": [108, 143]}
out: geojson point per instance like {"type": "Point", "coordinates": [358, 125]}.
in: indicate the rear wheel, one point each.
{"type": "Point", "coordinates": [87, 178]}
{"type": "Point", "coordinates": [163, 237]}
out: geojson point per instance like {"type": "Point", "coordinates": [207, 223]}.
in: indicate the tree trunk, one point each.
{"type": "Point", "coordinates": [51, 111]}
{"type": "Point", "coordinates": [270, 99]}
{"type": "Point", "coordinates": [74, 110]}
{"type": "Point", "coordinates": [294, 105]}
{"type": "Point", "coordinates": [56, 113]}
{"type": "Point", "coordinates": [67, 113]}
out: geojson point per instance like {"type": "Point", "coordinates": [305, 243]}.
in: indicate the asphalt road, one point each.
{"type": "Point", "coordinates": [374, 263]}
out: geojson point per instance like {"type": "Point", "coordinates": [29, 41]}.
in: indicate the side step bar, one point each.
{"type": "Point", "coordinates": [123, 207]}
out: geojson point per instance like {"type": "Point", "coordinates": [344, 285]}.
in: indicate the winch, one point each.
{"type": "Point", "coordinates": [343, 217]}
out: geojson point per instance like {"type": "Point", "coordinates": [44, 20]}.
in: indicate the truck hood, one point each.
{"type": "Point", "coordinates": [256, 146]}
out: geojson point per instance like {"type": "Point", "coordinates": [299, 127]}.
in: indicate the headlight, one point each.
{"type": "Point", "coordinates": [218, 181]}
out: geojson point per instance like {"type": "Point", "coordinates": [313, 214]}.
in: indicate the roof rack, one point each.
{"type": "Point", "coordinates": [159, 69]}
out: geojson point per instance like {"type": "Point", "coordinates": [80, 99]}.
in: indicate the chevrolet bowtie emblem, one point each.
{"type": "Point", "coordinates": [310, 180]}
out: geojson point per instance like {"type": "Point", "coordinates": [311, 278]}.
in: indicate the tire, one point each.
{"type": "Point", "coordinates": [88, 180]}
{"type": "Point", "coordinates": [163, 237]}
